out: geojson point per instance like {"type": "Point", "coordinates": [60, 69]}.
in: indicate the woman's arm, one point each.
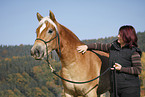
{"type": "Point", "coordinates": [94, 46]}
{"type": "Point", "coordinates": [99, 46]}
{"type": "Point", "coordinates": [136, 65]}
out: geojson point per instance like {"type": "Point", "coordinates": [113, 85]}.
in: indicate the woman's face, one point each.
{"type": "Point", "coordinates": [120, 40]}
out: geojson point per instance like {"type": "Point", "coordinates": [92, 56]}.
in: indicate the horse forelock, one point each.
{"type": "Point", "coordinates": [42, 22]}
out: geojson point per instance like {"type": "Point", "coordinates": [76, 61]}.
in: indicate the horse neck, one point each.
{"type": "Point", "coordinates": [68, 44]}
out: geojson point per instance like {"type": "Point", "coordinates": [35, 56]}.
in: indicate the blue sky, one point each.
{"type": "Point", "coordinates": [88, 19]}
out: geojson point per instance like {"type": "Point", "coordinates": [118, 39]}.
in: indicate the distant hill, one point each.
{"type": "Point", "coordinates": [24, 50]}
{"type": "Point", "coordinates": [22, 76]}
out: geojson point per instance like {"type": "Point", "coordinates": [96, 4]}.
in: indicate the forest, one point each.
{"type": "Point", "coordinates": [23, 76]}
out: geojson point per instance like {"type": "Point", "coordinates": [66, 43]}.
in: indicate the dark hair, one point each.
{"type": "Point", "coordinates": [128, 35]}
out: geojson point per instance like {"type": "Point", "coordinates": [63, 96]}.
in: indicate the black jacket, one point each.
{"type": "Point", "coordinates": [123, 57]}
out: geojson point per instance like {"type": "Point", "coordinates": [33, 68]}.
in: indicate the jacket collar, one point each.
{"type": "Point", "coordinates": [118, 46]}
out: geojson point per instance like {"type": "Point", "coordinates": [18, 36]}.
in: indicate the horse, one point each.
{"type": "Point", "coordinates": [78, 67]}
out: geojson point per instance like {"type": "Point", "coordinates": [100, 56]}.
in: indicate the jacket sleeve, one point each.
{"type": "Point", "coordinates": [99, 46]}
{"type": "Point", "coordinates": [136, 65]}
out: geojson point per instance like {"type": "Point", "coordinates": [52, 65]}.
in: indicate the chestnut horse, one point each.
{"type": "Point", "coordinates": [75, 66]}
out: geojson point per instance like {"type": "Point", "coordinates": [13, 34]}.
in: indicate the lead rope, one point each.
{"type": "Point", "coordinates": [114, 83]}
{"type": "Point", "coordinates": [50, 66]}
{"type": "Point", "coordinates": [53, 70]}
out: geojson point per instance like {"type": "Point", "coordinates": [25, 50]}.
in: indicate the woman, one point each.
{"type": "Point", "coordinates": [125, 57]}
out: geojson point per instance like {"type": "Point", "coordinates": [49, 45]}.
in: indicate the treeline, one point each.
{"type": "Point", "coordinates": [24, 50]}
{"type": "Point", "coordinates": [23, 76]}
{"type": "Point", "coordinates": [10, 51]}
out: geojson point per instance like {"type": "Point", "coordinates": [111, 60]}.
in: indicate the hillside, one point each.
{"type": "Point", "coordinates": [22, 76]}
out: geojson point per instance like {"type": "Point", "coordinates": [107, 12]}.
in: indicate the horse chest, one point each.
{"type": "Point", "coordinates": [75, 88]}
{"type": "Point", "coordinates": [78, 89]}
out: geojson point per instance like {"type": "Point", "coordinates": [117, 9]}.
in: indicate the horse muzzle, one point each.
{"type": "Point", "coordinates": [37, 52]}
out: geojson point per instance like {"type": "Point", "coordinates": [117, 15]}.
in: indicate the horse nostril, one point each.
{"type": "Point", "coordinates": [37, 52]}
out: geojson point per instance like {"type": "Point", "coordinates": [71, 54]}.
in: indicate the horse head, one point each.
{"type": "Point", "coordinates": [46, 36]}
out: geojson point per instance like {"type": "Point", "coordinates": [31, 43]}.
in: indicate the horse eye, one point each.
{"type": "Point", "coordinates": [50, 31]}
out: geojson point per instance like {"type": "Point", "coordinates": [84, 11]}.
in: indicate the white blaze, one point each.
{"type": "Point", "coordinates": [43, 22]}
{"type": "Point", "coordinates": [42, 27]}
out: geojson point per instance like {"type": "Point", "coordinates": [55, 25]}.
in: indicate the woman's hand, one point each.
{"type": "Point", "coordinates": [117, 66]}
{"type": "Point", "coordinates": [82, 48]}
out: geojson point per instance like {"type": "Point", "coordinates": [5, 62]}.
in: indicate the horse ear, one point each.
{"type": "Point", "coordinates": [39, 17]}
{"type": "Point", "coordinates": [52, 17]}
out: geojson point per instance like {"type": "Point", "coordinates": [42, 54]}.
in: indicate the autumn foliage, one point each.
{"type": "Point", "coordinates": [22, 76]}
